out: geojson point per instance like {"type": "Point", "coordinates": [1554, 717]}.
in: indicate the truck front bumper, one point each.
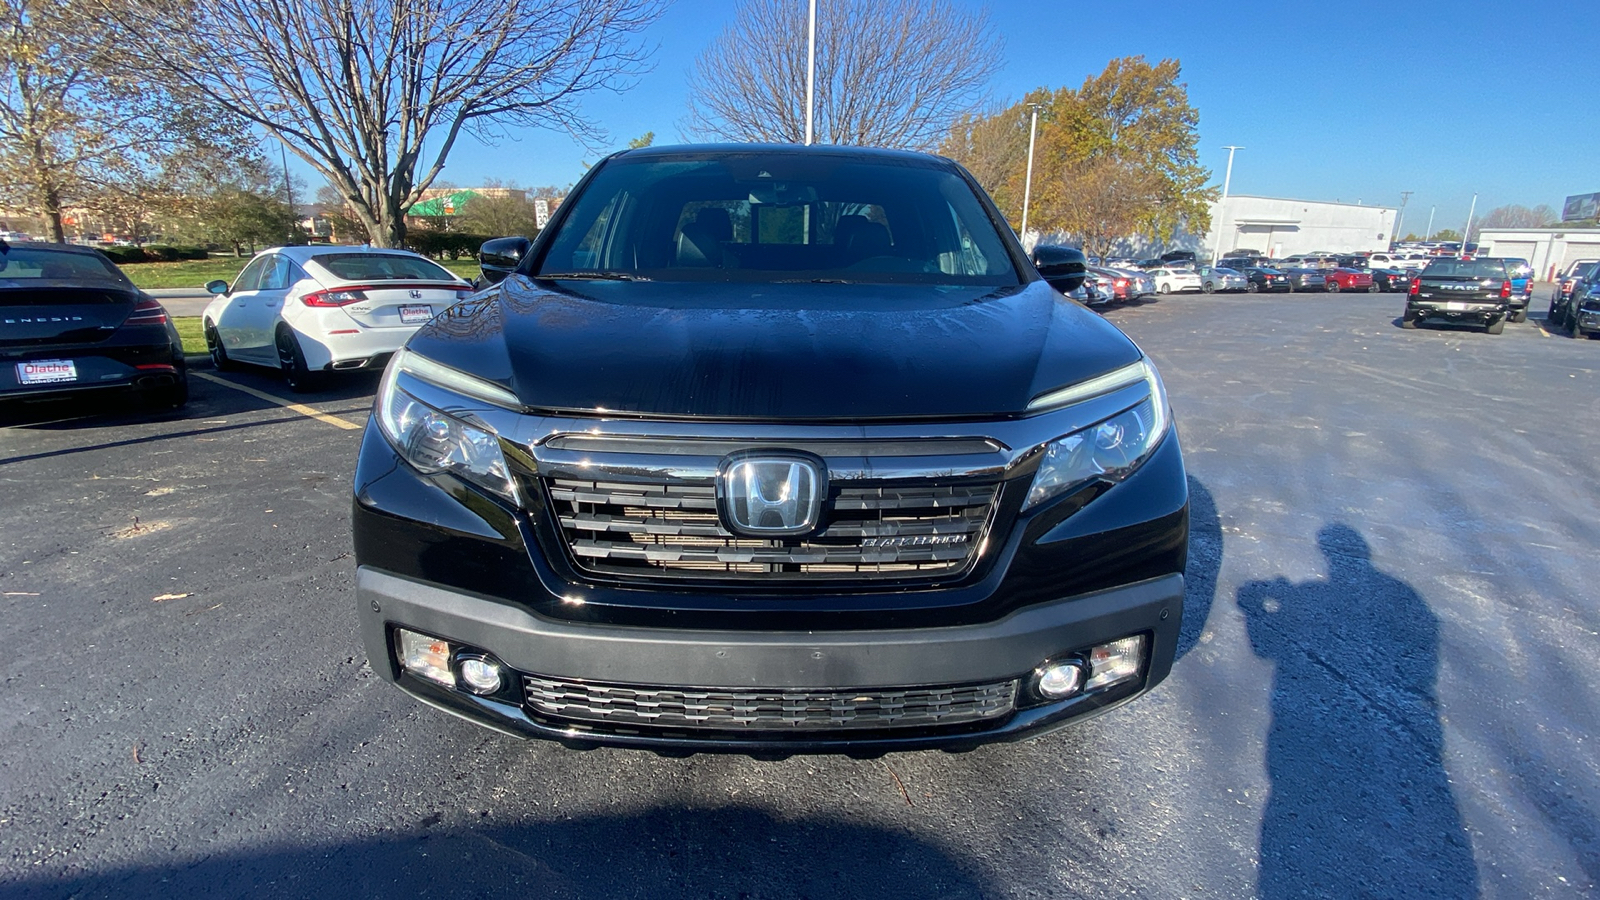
{"type": "Point", "coordinates": [657, 662]}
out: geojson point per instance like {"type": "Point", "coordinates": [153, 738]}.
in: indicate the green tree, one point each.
{"type": "Point", "coordinates": [76, 130]}
{"type": "Point", "coordinates": [1445, 234]}
{"type": "Point", "coordinates": [642, 141]}
{"type": "Point", "coordinates": [1114, 158]}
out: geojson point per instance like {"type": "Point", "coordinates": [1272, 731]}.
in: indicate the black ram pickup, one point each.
{"type": "Point", "coordinates": [771, 450]}
{"type": "Point", "coordinates": [1460, 291]}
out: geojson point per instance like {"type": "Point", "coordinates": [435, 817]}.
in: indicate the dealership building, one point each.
{"type": "Point", "coordinates": [1550, 250]}
{"type": "Point", "coordinates": [1278, 227]}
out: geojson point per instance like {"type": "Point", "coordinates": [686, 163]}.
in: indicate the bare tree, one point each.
{"type": "Point", "coordinates": [1516, 216]}
{"type": "Point", "coordinates": [891, 73]}
{"type": "Point", "coordinates": [74, 130]}
{"type": "Point", "coordinates": [356, 87]}
{"type": "Point", "coordinates": [500, 210]}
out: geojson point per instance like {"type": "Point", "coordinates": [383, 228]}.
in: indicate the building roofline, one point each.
{"type": "Point", "coordinates": [1321, 202]}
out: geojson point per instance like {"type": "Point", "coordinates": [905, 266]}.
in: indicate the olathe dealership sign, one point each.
{"type": "Point", "coordinates": [1581, 206]}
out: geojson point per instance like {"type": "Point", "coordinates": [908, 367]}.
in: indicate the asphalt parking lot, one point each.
{"type": "Point", "coordinates": [1387, 685]}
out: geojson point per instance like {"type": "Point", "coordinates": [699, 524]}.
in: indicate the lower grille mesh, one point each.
{"type": "Point", "coordinates": [768, 710]}
{"type": "Point", "coordinates": [905, 530]}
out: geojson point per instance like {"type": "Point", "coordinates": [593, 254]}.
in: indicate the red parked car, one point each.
{"type": "Point", "coordinates": [1350, 280]}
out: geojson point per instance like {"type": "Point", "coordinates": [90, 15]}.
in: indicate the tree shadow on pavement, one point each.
{"type": "Point", "coordinates": [660, 853]}
{"type": "Point", "coordinates": [1361, 804]}
{"type": "Point", "coordinates": [1205, 561]}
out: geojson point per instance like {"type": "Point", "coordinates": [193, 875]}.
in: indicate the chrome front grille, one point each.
{"type": "Point", "coordinates": [904, 530]}
{"type": "Point", "coordinates": [767, 710]}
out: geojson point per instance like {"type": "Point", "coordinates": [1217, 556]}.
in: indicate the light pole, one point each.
{"type": "Point", "coordinates": [1222, 205]}
{"type": "Point", "coordinates": [1468, 230]}
{"type": "Point", "coordinates": [1027, 182]}
{"type": "Point", "coordinates": [811, 71]}
{"type": "Point", "coordinates": [288, 191]}
{"type": "Point", "coordinates": [1431, 211]}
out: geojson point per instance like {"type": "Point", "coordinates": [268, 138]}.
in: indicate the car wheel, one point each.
{"type": "Point", "coordinates": [1163, 288]}
{"type": "Point", "coordinates": [1520, 315]}
{"type": "Point", "coordinates": [1407, 320]}
{"type": "Point", "coordinates": [1208, 287]}
{"type": "Point", "coordinates": [1550, 316]}
{"type": "Point", "coordinates": [1372, 288]}
{"type": "Point", "coordinates": [1497, 326]}
{"type": "Point", "coordinates": [1333, 287]}
{"type": "Point", "coordinates": [296, 374]}
{"type": "Point", "coordinates": [1251, 288]}
{"type": "Point", "coordinates": [219, 354]}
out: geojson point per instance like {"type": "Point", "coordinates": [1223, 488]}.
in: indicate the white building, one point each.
{"type": "Point", "coordinates": [1548, 250]}
{"type": "Point", "coordinates": [1279, 227]}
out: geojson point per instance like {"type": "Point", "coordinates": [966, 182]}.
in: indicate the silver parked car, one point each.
{"type": "Point", "coordinates": [1215, 278]}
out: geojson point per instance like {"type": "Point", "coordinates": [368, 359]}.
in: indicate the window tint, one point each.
{"type": "Point", "coordinates": [275, 277]}
{"type": "Point", "coordinates": [766, 217]}
{"type": "Point", "coordinates": [23, 263]}
{"type": "Point", "coordinates": [1462, 268]}
{"type": "Point", "coordinates": [250, 278]}
{"type": "Point", "coordinates": [381, 267]}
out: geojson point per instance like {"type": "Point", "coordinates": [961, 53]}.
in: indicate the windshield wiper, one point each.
{"type": "Point", "coordinates": [592, 276]}
{"type": "Point", "coordinates": [815, 281]}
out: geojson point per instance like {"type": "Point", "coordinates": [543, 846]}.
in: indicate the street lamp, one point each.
{"type": "Point", "coordinates": [1405, 197]}
{"type": "Point", "coordinates": [1468, 230]}
{"type": "Point", "coordinates": [811, 71]}
{"type": "Point", "coordinates": [1431, 211]}
{"type": "Point", "coordinates": [1027, 182]}
{"type": "Point", "coordinates": [1222, 205]}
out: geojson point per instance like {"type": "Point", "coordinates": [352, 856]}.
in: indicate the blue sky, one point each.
{"type": "Point", "coordinates": [1343, 101]}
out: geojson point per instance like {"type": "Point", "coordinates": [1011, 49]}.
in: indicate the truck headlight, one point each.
{"type": "Point", "coordinates": [433, 441]}
{"type": "Point", "coordinates": [1109, 450]}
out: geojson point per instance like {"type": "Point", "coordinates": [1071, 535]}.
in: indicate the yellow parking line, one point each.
{"type": "Point", "coordinates": [300, 408]}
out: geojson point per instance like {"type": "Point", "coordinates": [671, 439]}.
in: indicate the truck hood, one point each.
{"type": "Point", "coordinates": [774, 351]}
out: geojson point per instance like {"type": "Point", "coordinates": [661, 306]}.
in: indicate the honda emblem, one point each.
{"type": "Point", "coordinates": [761, 495]}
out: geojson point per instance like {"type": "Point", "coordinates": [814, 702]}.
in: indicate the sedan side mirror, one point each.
{"type": "Point", "coordinates": [501, 256]}
{"type": "Point", "coordinates": [1063, 267]}
{"type": "Point", "coordinates": [217, 287]}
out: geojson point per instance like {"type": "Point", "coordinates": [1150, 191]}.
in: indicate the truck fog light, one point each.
{"type": "Point", "coordinates": [481, 675]}
{"type": "Point", "coordinates": [1116, 662]}
{"type": "Point", "coordinates": [1059, 680]}
{"type": "Point", "coordinates": [425, 656]}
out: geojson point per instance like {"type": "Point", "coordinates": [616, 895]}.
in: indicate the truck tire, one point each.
{"type": "Point", "coordinates": [1497, 326]}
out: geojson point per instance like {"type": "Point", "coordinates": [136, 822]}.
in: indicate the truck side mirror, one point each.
{"type": "Point", "coordinates": [1063, 267]}
{"type": "Point", "coordinates": [501, 256]}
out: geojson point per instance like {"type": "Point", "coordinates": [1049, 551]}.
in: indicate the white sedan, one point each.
{"type": "Point", "coordinates": [1170, 281]}
{"type": "Point", "coordinates": [312, 311]}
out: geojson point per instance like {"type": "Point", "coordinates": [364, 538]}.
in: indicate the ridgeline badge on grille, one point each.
{"type": "Point", "coordinates": [771, 496]}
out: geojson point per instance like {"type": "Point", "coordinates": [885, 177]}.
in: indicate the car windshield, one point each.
{"type": "Point", "coordinates": [764, 217]}
{"type": "Point", "coordinates": [1465, 268]}
{"type": "Point", "coordinates": [381, 267]}
{"type": "Point", "coordinates": [20, 266]}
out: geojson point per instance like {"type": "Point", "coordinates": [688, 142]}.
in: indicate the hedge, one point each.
{"type": "Point", "coordinates": [453, 244]}
{"type": "Point", "coordinates": [125, 255]}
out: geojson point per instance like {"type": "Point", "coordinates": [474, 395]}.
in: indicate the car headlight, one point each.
{"type": "Point", "coordinates": [433, 441]}
{"type": "Point", "coordinates": [1109, 450]}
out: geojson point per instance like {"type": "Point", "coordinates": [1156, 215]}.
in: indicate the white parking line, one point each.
{"type": "Point", "coordinates": [300, 408]}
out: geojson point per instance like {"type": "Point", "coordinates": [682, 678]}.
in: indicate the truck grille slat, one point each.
{"type": "Point", "coordinates": [673, 531]}
{"type": "Point", "coordinates": [767, 709]}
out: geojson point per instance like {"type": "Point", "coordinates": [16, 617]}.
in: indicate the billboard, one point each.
{"type": "Point", "coordinates": [1580, 206]}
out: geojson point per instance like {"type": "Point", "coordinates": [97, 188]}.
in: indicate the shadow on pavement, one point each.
{"type": "Point", "coordinates": [660, 853]}
{"type": "Point", "coordinates": [1205, 561]}
{"type": "Point", "coordinates": [1361, 804]}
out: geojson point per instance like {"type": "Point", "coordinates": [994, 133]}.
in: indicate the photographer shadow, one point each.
{"type": "Point", "coordinates": [1360, 802]}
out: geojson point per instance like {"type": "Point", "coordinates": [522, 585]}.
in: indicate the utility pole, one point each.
{"type": "Point", "coordinates": [1405, 196]}
{"type": "Point", "coordinates": [1222, 205]}
{"type": "Point", "coordinates": [811, 72]}
{"type": "Point", "coordinates": [1027, 182]}
{"type": "Point", "coordinates": [288, 190]}
{"type": "Point", "coordinates": [1468, 230]}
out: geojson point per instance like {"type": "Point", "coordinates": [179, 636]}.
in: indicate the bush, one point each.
{"type": "Point", "coordinates": [438, 244]}
{"type": "Point", "coordinates": [124, 255]}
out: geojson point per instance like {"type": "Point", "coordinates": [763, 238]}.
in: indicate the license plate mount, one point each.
{"type": "Point", "coordinates": [47, 371]}
{"type": "Point", "coordinates": [415, 315]}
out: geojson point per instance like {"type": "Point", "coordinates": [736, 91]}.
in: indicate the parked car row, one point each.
{"type": "Point", "coordinates": [1576, 306]}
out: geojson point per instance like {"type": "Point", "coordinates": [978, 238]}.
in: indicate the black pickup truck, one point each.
{"type": "Point", "coordinates": [1460, 291]}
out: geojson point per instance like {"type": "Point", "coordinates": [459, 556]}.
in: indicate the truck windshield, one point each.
{"type": "Point", "coordinates": [763, 217]}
